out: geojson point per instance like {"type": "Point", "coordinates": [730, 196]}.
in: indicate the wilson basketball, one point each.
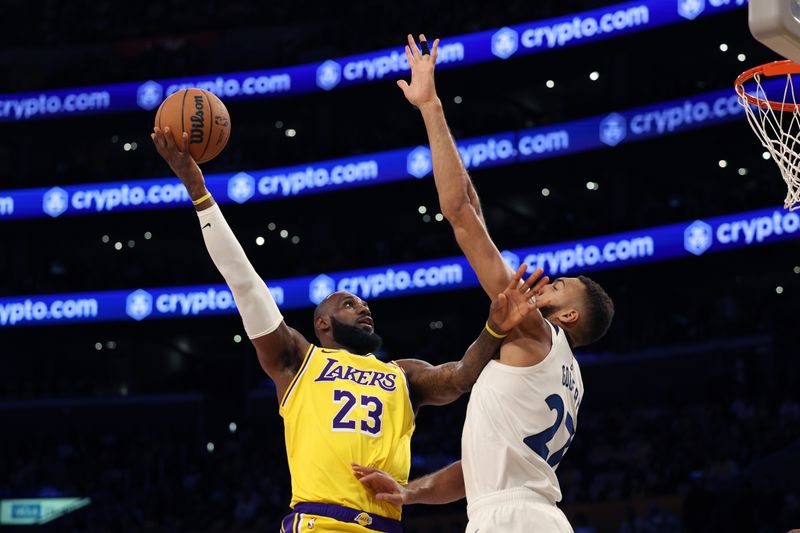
{"type": "Point", "coordinates": [202, 115]}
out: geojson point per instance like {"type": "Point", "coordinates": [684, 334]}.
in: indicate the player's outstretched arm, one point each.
{"type": "Point", "coordinates": [280, 348]}
{"type": "Point", "coordinates": [457, 196]}
{"type": "Point", "coordinates": [444, 486]}
{"type": "Point", "coordinates": [443, 384]}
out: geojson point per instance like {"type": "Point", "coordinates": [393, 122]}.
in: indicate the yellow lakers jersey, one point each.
{"type": "Point", "coordinates": [340, 409]}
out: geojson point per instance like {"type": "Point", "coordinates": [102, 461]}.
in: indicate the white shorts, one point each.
{"type": "Point", "coordinates": [515, 511]}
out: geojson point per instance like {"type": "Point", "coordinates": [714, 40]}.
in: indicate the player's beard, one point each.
{"type": "Point", "coordinates": [548, 311]}
{"type": "Point", "coordinates": [354, 338]}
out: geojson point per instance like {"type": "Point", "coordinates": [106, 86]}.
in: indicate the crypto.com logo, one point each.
{"type": "Point", "coordinates": [55, 201]}
{"type": "Point", "coordinates": [689, 9]}
{"type": "Point", "coordinates": [320, 287]}
{"type": "Point", "coordinates": [149, 95]}
{"type": "Point", "coordinates": [139, 304]}
{"type": "Point", "coordinates": [613, 129]}
{"type": "Point", "coordinates": [241, 187]}
{"type": "Point", "coordinates": [505, 42]}
{"type": "Point", "coordinates": [697, 238]}
{"type": "Point", "coordinates": [329, 74]}
{"type": "Point", "coordinates": [418, 162]}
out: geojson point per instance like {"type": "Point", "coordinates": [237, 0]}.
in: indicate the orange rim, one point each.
{"type": "Point", "coordinates": [768, 70]}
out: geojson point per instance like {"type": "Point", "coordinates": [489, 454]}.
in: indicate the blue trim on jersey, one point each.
{"type": "Point", "coordinates": [558, 330]}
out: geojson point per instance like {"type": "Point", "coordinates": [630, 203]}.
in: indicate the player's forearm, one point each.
{"type": "Point", "coordinates": [451, 178]}
{"type": "Point", "coordinates": [444, 486]}
{"type": "Point", "coordinates": [446, 383]}
{"type": "Point", "coordinates": [478, 356]}
{"type": "Point", "coordinates": [257, 308]}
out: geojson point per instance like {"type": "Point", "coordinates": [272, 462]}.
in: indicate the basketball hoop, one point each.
{"type": "Point", "coordinates": [776, 123]}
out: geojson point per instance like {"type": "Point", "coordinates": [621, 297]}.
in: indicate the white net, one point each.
{"type": "Point", "coordinates": [779, 133]}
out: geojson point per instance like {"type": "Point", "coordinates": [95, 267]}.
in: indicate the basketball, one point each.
{"type": "Point", "coordinates": [202, 115]}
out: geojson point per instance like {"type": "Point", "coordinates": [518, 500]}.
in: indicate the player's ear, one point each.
{"type": "Point", "coordinates": [322, 323]}
{"type": "Point", "coordinates": [569, 316]}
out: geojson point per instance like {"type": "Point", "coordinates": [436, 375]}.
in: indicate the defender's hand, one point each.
{"type": "Point", "coordinates": [385, 487]}
{"type": "Point", "coordinates": [179, 160]}
{"type": "Point", "coordinates": [518, 300]}
{"type": "Point", "coordinates": [422, 90]}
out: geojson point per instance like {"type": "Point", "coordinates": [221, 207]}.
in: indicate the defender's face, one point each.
{"type": "Point", "coordinates": [561, 293]}
{"type": "Point", "coordinates": [351, 310]}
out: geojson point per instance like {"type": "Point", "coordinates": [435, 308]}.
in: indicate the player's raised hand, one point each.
{"type": "Point", "coordinates": [422, 89]}
{"type": "Point", "coordinates": [178, 158]}
{"type": "Point", "coordinates": [518, 299]}
{"type": "Point", "coordinates": [384, 486]}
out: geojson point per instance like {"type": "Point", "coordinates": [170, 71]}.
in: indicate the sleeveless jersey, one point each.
{"type": "Point", "coordinates": [520, 422]}
{"type": "Point", "coordinates": [340, 409]}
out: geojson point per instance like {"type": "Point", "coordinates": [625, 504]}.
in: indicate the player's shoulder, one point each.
{"type": "Point", "coordinates": [410, 366]}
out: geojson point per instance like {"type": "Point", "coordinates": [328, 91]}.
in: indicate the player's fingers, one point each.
{"type": "Point", "coordinates": [403, 84]}
{"type": "Point", "coordinates": [424, 47]}
{"type": "Point", "coordinates": [435, 51]}
{"type": "Point", "coordinates": [532, 279]}
{"type": "Point", "coordinates": [540, 302]}
{"type": "Point", "coordinates": [409, 56]}
{"type": "Point", "coordinates": [169, 140]}
{"type": "Point", "coordinates": [394, 499]}
{"type": "Point", "coordinates": [514, 283]}
{"type": "Point", "coordinates": [360, 469]}
{"type": "Point", "coordinates": [502, 300]}
{"type": "Point", "coordinates": [413, 45]}
{"type": "Point", "coordinates": [375, 482]}
{"type": "Point", "coordinates": [159, 138]}
{"type": "Point", "coordinates": [185, 143]}
{"type": "Point", "coordinates": [540, 284]}
{"type": "Point", "coordinates": [367, 469]}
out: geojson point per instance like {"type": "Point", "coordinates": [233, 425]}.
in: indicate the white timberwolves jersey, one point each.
{"type": "Point", "coordinates": [520, 422]}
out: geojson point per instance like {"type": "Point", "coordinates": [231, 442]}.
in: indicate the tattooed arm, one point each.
{"type": "Point", "coordinates": [443, 384]}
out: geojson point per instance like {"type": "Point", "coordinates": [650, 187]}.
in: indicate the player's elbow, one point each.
{"type": "Point", "coordinates": [463, 379]}
{"type": "Point", "coordinates": [457, 212]}
{"type": "Point", "coordinates": [237, 282]}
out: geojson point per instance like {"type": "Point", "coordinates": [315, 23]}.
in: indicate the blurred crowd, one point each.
{"type": "Point", "coordinates": [164, 481]}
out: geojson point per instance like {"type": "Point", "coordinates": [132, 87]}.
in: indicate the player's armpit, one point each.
{"type": "Point", "coordinates": [280, 354]}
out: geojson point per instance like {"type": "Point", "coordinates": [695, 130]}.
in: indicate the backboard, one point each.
{"type": "Point", "coordinates": [776, 25]}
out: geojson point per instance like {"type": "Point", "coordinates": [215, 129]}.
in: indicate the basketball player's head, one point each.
{"type": "Point", "coordinates": [343, 320]}
{"type": "Point", "coordinates": [580, 306]}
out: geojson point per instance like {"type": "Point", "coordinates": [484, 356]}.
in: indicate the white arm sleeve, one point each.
{"type": "Point", "coordinates": [257, 308]}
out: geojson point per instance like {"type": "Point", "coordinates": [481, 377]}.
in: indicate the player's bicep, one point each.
{"type": "Point", "coordinates": [280, 354]}
{"type": "Point", "coordinates": [483, 256]}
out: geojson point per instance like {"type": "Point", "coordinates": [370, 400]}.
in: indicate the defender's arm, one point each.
{"type": "Point", "coordinates": [443, 384]}
{"type": "Point", "coordinates": [444, 486]}
{"type": "Point", "coordinates": [457, 196]}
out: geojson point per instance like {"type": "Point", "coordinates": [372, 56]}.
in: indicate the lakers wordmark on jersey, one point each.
{"type": "Point", "coordinates": [340, 409]}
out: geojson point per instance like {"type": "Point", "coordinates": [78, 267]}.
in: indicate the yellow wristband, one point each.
{"type": "Point", "coordinates": [493, 333]}
{"type": "Point", "coordinates": [202, 199]}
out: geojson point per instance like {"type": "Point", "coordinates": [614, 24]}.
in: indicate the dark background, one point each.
{"type": "Point", "coordinates": [691, 418]}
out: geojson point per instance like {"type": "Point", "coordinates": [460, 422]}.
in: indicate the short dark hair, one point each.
{"type": "Point", "coordinates": [597, 313]}
{"type": "Point", "coordinates": [323, 308]}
